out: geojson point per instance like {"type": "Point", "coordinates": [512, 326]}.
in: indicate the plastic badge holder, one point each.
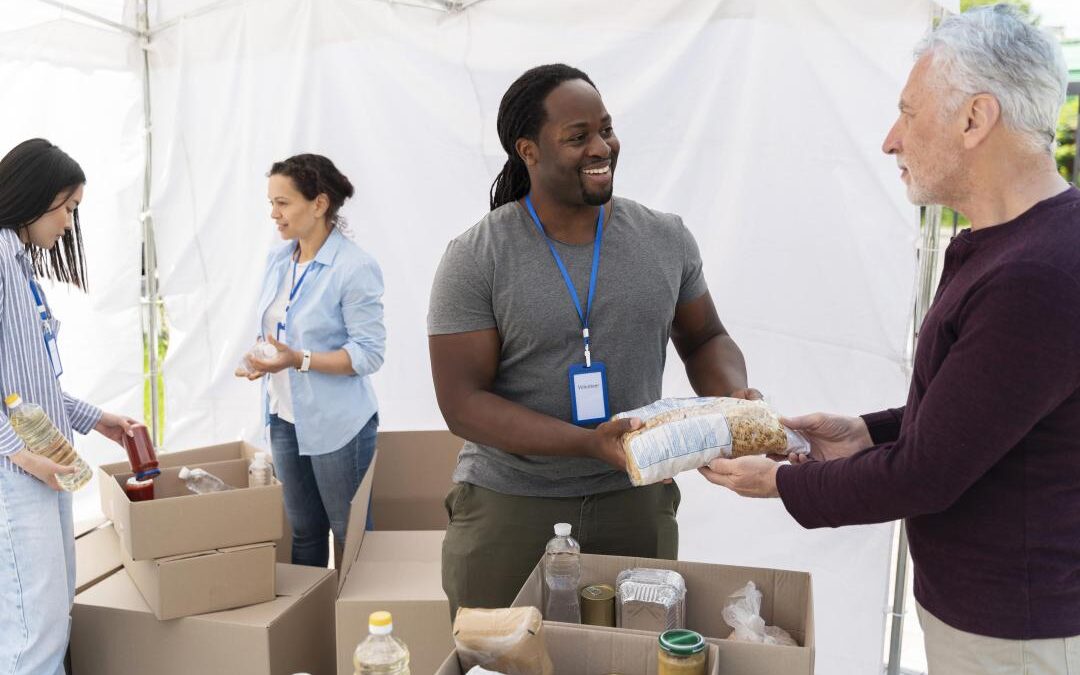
{"type": "Point", "coordinates": [650, 599]}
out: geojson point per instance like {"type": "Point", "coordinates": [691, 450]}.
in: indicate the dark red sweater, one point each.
{"type": "Point", "coordinates": [984, 460]}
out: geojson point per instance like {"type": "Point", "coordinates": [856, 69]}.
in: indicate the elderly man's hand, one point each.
{"type": "Point", "coordinates": [750, 476]}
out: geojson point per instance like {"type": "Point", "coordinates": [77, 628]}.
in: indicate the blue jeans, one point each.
{"type": "Point", "coordinates": [37, 575]}
{"type": "Point", "coordinates": [319, 489]}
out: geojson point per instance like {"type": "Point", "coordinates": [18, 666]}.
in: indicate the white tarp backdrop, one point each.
{"type": "Point", "coordinates": [758, 121]}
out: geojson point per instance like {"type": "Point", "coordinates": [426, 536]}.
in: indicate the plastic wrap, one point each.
{"type": "Point", "coordinates": [681, 434]}
{"type": "Point", "coordinates": [743, 614]}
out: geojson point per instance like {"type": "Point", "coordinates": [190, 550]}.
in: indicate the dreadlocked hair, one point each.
{"type": "Point", "coordinates": [521, 114]}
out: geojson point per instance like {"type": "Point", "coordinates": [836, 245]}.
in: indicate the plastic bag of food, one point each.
{"type": "Point", "coordinates": [743, 614]}
{"type": "Point", "coordinates": [509, 641]}
{"type": "Point", "coordinates": [681, 434]}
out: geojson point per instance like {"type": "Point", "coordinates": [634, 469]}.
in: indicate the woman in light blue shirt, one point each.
{"type": "Point", "coordinates": [40, 191]}
{"type": "Point", "coordinates": [321, 309]}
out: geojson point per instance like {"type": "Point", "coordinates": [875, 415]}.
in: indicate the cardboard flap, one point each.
{"type": "Point", "coordinates": [97, 555]}
{"type": "Point", "coordinates": [295, 580]}
{"type": "Point", "coordinates": [397, 567]}
{"type": "Point", "coordinates": [404, 498]}
{"type": "Point", "coordinates": [358, 510]}
{"type": "Point", "coordinates": [89, 525]}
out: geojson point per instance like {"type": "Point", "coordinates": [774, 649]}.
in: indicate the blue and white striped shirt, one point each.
{"type": "Point", "coordinates": [24, 362]}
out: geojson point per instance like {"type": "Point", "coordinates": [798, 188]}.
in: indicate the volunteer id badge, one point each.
{"type": "Point", "coordinates": [53, 350]}
{"type": "Point", "coordinates": [588, 393]}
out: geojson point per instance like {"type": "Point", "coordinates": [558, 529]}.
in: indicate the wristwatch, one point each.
{"type": "Point", "coordinates": [305, 363]}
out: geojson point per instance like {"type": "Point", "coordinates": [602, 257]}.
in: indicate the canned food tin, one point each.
{"type": "Point", "coordinates": [598, 605]}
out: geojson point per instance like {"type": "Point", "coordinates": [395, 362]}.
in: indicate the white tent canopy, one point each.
{"type": "Point", "coordinates": [758, 121]}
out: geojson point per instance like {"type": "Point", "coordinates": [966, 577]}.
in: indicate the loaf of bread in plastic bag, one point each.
{"type": "Point", "coordinates": [680, 434]}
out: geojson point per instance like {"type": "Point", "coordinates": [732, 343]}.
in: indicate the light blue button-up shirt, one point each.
{"type": "Point", "coordinates": [338, 306]}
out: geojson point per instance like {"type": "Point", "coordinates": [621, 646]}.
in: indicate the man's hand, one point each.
{"type": "Point", "coordinates": [282, 359]}
{"type": "Point", "coordinates": [116, 426]}
{"type": "Point", "coordinates": [39, 467]}
{"type": "Point", "coordinates": [830, 436]}
{"type": "Point", "coordinates": [750, 476]}
{"type": "Point", "coordinates": [749, 393]}
{"type": "Point", "coordinates": [605, 441]}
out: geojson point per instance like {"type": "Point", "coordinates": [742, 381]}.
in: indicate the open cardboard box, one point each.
{"type": "Point", "coordinates": [787, 602]}
{"type": "Point", "coordinates": [397, 567]}
{"type": "Point", "coordinates": [583, 650]}
{"type": "Point", "coordinates": [208, 581]}
{"type": "Point", "coordinates": [177, 522]}
{"type": "Point", "coordinates": [114, 631]}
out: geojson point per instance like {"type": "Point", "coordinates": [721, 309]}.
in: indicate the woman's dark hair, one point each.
{"type": "Point", "coordinates": [32, 175]}
{"type": "Point", "coordinates": [521, 114]}
{"type": "Point", "coordinates": [315, 175]}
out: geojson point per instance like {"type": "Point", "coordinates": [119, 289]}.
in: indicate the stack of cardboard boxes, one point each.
{"type": "Point", "coordinates": [200, 590]}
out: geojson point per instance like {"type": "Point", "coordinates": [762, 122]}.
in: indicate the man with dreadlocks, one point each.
{"type": "Point", "coordinates": [548, 316]}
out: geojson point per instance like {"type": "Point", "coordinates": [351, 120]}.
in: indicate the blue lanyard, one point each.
{"type": "Point", "coordinates": [296, 284]}
{"type": "Point", "coordinates": [584, 316]}
{"type": "Point", "coordinates": [42, 310]}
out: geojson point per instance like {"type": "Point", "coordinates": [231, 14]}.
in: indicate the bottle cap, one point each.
{"type": "Point", "coordinates": [562, 529]}
{"type": "Point", "coordinates": [12, 400]}
{"type": "Point", "coordinates": [380, 623]}
{"type": "Point", "coordinates": [259, 459]}
{"type": "Point", "coordinates": [681, 642]}
{"type": "Point", "coordinates": [184, 473]}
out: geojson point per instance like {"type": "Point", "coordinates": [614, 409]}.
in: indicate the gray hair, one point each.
{"type": "Point", "coordinates": [996, 50]}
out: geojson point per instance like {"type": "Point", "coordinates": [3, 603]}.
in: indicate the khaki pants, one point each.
{"type": "Point", "coordinates": [950, 651]}
{"type": "Point", "coordinates": [494, 540]}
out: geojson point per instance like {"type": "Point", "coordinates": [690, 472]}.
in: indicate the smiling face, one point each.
{"type": "Point", "coordinates": [574, 157]}
{"type": "Point", "coordinates": [56, 222]}
{"type": "Point", "coordinates": [295, 215]}
{"type": "Point", "coordinates": [927, 138]}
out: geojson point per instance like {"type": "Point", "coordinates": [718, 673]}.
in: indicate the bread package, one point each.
{"type": "Point", "coordinates": [509, 641]}
{"type": "Point", "coordinates": [680, 434]}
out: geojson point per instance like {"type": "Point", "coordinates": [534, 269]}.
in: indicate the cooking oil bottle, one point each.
{"type": "Point", "coordinates": [42, 437]}
{"type": "Point", "coordinates": [381, 653]}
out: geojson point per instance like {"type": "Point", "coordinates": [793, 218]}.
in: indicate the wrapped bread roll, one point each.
{"type": "Point", "coordinates": [680, 434]}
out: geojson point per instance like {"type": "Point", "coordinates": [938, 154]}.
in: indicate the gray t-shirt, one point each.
{"type": "Point", "coordinates": [500, 274]}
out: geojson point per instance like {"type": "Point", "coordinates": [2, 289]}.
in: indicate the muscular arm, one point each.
{"type": "Point", "coordinates": [713, 361]}
{"type": "Point", "coordinates": [463, 367]}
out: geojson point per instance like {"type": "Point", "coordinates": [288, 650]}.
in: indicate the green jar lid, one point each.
{"type": "Point", "coordinates": [681, 642]}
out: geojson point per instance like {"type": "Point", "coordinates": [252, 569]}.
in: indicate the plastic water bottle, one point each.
{"type": "Point", "coordinates": [381, 652]}
{"type": "Point", "coordinates": [261, 471]}
{"type": "Point", "coordinates": [261, 350]}
{"type": "Point", "coordinates": [200, 482]}
{"type": "Point", "coordinates": [562, 575]}
{"type": "Point", "coordinates": [41, 437]}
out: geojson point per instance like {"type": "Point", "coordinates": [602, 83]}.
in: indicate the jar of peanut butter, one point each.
{"type": "Point", "coordinates": [681, 652]}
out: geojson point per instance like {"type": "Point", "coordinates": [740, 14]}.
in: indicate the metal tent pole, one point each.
{"type": "Point", "coordinates": [151, 301]}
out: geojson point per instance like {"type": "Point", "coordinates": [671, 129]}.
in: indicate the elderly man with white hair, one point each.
{"type": "Point", "coordinates": [983, 461]}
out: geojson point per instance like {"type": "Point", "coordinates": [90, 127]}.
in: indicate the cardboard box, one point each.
{"type": "Point", "coordinates": [197, 583]}
{"type": "Point", "coordinates": [585, 651]}
{"type": "Point", "coordinates": [97, 555]}
{"type": "Point", "coordinates": [398, 567]}
{"type": "Point", "coordinates": [176, 521]}
{"type": "Point", "coordinates": [415, 470]}
{"type": "Point", "coordinates": [787, 602]}
{"type": "Point", "coordinates": [114, 632]}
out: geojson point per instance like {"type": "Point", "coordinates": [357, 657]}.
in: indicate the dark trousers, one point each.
{"type": "Point", "coordinates": [495, 540]}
